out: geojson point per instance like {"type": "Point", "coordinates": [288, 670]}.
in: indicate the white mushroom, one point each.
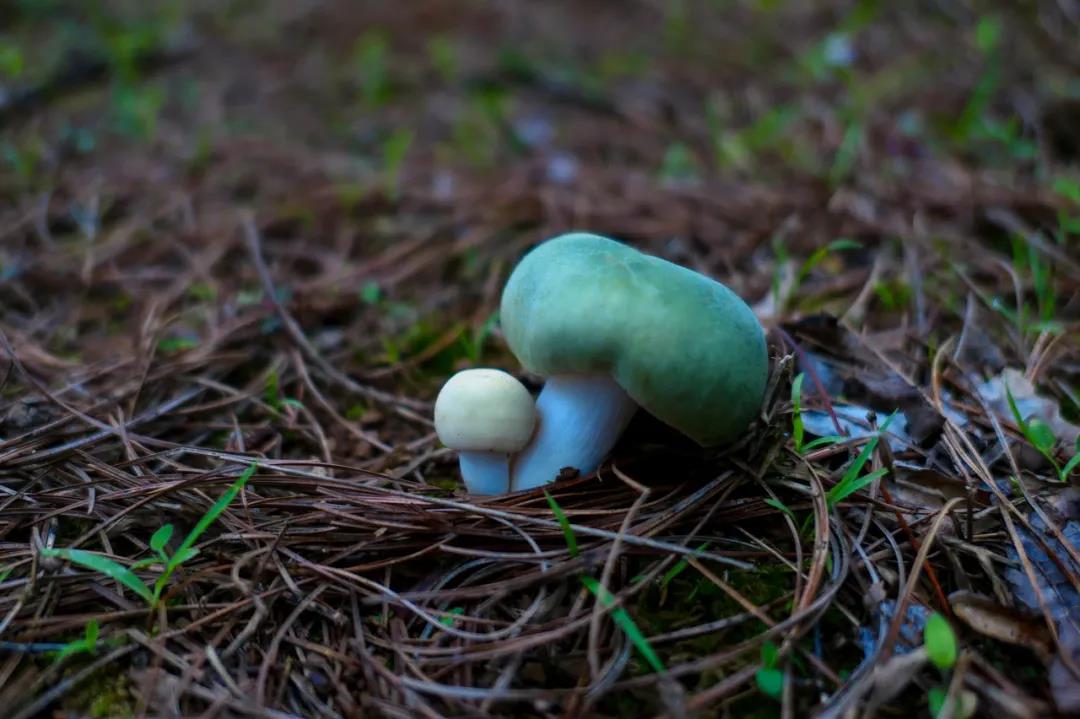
{"type": "Point", "coordinates": [486, 415]}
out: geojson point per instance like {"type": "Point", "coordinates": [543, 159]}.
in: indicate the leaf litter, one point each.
{"type": "Point", "coordinates": [271, 251]}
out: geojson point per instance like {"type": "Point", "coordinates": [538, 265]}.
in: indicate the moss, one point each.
{"type": "Point", "coordinates": [106, 694]}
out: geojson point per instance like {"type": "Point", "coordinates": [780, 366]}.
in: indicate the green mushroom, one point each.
{"type": "Point", "coordinates": [613, 330]}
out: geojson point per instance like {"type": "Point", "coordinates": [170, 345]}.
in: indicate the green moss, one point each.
{"type": "Point", "coordinates": [105, 695]}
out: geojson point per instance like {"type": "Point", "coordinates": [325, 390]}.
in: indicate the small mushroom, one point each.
{"type": "Point", "coordinates": [614, 329]}
{"type": "Point", "coordinates": [486, 415]}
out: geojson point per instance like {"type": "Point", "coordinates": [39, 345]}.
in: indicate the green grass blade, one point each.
{"type": "Point", "coordinates": [823, 441]}
{"type": "Point", "coordinates": [777, 504]}
{"type": "Point", "coordinates": [102, 565]}
{"type": "Point", "coordinates": [75, 647]}
{"type": "Point", "coordinates": [568, 532]}
{"type": "Point", "coordinates": [626, 623]}
{"type": "Point", "coordinates": [681, 565]}
{"type": "Point", "coordinates": [854, 486]}
{"type": "Point", "coordinates": [770, 655]}
{"type": "Point", "coordinates": [92, 630]}
{"type": "Point", "coordinates": [1070, 466]}
{"type": "Point", "coordinates": [844, 488]}
{"type": "Point", "coordinates": [161, 538]}
{"type": "Point", "coordinates": [184, 551]}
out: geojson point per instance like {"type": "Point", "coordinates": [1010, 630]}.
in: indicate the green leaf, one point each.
{"type": "Point", "coordinates": [370, 292]}
{"type": "Point", "coordinates": [1067, 188]}
{"type": "Point", "coordinates": [102, 565]}
{"type": "Point", "coordinates": [161, 538]}
{"type": "Point", "coordinates": [448, 621]}
{"type": "Point", "coordinates": [12, 62]}
{"type": "Point", "coordinates": [681, 565]}
{"type": "Point", "coordinates": [940, 641]}
{"type": "Point", "coordinates": [184, 552]}
{"type": "Point", "coordinates": [855, 485]}
{"type": "Point", "coordinates": [1017, 417]}
{"type": "Point", "coordinates": [1065, 471]}
{"type": "Point", "coordinates": [987, 33]}
{"type": "Point", "coordinates": [1036, 432]}
{"type": "Point", "coordinates": [770, 655]}
{"type": "Point", "coordinates": [568, 532]}
{"type": "Point", "coordinates": [935, 699]}
{"type": "Point", "coordinates": [823, 441]}
{"type": "Point", "coordinates": [177, 344]}
{"type": "Point", "coordinates": [777, 504]}
{"type": "Point", "coordinates": [75, 647]}
{"type": "Point", "coordinates": [184, 555]}
{"type": "Point", "coordinates": [770, 682]}
{"type": "Point", "coordinates": [626, 623]}
{"type": "Point", "coordinates": [844, 488]}
{"type": "Point", "coordinates": [1041, 436]}
{"type": "Point", "coordinates": [272, 390]}
{"type": "Point", "coordinates": [92, 632]}
{"type": "Point", "coordinates": [819, 255]}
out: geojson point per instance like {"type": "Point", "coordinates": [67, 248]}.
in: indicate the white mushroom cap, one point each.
{"type": "Point", "coordinates": [484, 410]}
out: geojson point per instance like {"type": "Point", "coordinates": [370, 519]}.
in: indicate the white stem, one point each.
{"type": "Point", "coordinates": [580, 417]}
{"type": "Point", "coordinates": [485, 472]}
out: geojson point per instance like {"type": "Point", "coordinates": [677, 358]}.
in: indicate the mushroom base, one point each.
{"type": "Point", "coordinates": [580, 420]}
{"type": "Point", "coordinates": [485, 472]}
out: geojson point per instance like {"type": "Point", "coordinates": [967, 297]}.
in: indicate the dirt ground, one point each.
{"type": "Point", "coordinates": [243, 243]}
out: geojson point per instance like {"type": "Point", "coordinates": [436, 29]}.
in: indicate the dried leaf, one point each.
{"type": "Point", "coordinates": [989, 618]}
{"type": "Point", "coordinates": [893, 676]}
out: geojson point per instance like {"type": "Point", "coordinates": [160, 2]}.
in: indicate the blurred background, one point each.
{"type": "Point", "coordinates": [733, 135]}
{"type": "Point", "coordinates": [741, 138]}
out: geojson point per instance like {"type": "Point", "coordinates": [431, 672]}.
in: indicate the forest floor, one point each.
{"type": "Point", "coordinates": [243, 243]}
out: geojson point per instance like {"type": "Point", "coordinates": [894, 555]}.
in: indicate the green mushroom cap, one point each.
{"type": "Point", "coordinates": [683, 346]}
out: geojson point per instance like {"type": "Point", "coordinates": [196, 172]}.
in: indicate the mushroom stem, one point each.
{"type": "Point", "coordinates": [580, 419]}
{"type": "Point", "coordinates": [485, 472]}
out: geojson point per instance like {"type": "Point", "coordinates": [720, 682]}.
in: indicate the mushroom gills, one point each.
{"type": "Point", "coordinates": [580, 420]}
{"type": "Point", "coordinates": [485, 472]}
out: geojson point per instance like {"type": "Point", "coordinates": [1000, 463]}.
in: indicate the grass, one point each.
{"type": "Point", "coordinates": [185, 552]}
{"type": "Point", "coordinates": [853, 480]}
{"type": "Point", "coordinates": [1041, 436]}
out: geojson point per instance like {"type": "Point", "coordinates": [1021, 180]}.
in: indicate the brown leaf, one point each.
{"type": "Point", "coordinates": [991, 619]}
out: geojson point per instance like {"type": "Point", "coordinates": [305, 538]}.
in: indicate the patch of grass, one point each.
{"type": "Point", "coordinates": [1041, 436]}
{"type": "Point", "coordinates": [851, 481]}
{"type": "Point", "coordinates": [114, 570]}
